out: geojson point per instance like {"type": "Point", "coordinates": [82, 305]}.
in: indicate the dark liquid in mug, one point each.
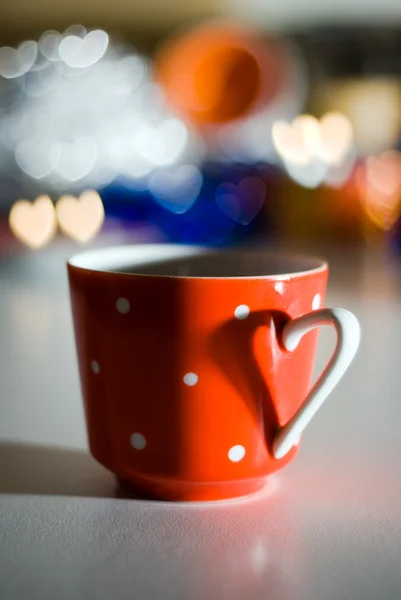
{"type": "Point", "coordinates": [224, 264]}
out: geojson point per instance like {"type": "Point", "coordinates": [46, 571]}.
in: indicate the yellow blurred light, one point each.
{"type": "Point", "coordinates": [379, 185]}
{"type": "Point", "coordinates": [312, 148]}
{"type": "Point", "coordinates": [289, 142]}
{"type": "Point", "coordinates": [33, 223]}
{"type": "Point", "coordinates": [329, 139]}
{"type": "Point", "coordinates": [80, 218]}
{"type": "Point", "coordinates": [309, 128]}
{"type": "Point", "coordinates": [337, 138]}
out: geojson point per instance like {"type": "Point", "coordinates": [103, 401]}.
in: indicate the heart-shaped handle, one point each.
{"type": "Point", "coordinates": [348, 336]}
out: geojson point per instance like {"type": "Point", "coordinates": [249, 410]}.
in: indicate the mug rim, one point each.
{"type": "Point", "coordinates": [111, 259]}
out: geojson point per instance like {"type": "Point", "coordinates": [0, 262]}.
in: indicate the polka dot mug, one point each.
{"type": "Point", "coordinates": [196, 363]}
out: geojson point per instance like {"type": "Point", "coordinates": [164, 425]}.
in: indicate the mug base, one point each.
{"type": "Point", "coordinates": [178, 491]}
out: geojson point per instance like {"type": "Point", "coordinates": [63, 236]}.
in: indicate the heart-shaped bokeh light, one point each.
{"type": "Point", "coordinates": [176, 189]}
{"type": "Point", "coordinates": [81, 110]}
{"type": "Point", "coordinates": [82, 52]}
{"type": "Point", "coordinates": [336, 138]}
{"type": "Point", "coordinates": [33, 223]}
{"type": "Point", "coordinates": [241, 202]}
{"type": "Point", "coordinates": [80, 218]}
{"type": "Point", "coordinates": [14, 62]}
{"type": "Point", "coordinates": [379, 184]}
{"type": "Point", "coordinates": [311, 148]}
{"type": "Point", "coordinates": [76, 160]}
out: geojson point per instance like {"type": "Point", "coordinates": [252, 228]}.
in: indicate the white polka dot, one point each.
{"type": "Point", "coordinates": [123, 306]}
{"type": "Point", "coordinates": [138, 441]}
{"type": "Point", "coordinates": [191, 379]}
{"type": "Point", "coordinates": [317, 300]}
{"type": "Point", "coordinates": [95, 366]}
{"type": "Point", "coordinates": [241, 312]}
{"type": "Point", "coordinates": [236, 453]}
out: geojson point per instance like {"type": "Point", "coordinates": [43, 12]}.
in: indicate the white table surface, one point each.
{"type": "Point", "coordinates": [326, 528]}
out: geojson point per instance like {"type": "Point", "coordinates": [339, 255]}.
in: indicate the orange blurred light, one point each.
{"type": "Point", "coordinates": [219, 72]}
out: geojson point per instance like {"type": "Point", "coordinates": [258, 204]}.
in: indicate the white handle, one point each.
{"type": "Point", "coordinates": [348, 336]}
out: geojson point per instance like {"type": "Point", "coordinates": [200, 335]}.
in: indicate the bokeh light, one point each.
{"type": "Point", "coordinates": [15, 62]}
{"type": "Point", "coordinates": [176, 189]}
{"type": "Point", "coordinates": [219, 72]}
{"type": "Point", "coordinates": [33, 223]}
{"type": "Point", "coordinates": [373, 106]}
{"type": "Point", "coordinates": [379, 183]}
{"type": "Point", "coordinates": [80, 218]}
{"type": "Point", "coordinates": [316, 151]}
{"type": "Point", "coordinates": [81, 110]}
{"type": "Point", "coordinates": [187, 138]}
{"type": "Point", "coordinates": [241, 202]}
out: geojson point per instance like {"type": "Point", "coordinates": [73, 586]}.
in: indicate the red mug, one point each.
{"type": "Point", "coordinates": [195, 363]}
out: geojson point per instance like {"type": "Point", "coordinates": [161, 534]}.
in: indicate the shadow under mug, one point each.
{"type": "Point", "coordinates": [196, 363]}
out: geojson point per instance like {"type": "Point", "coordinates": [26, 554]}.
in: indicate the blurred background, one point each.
{"type": "Point", "coordinates": [218, 122]}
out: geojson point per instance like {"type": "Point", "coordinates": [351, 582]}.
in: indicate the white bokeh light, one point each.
{"type": "Point", "coordinates": [14, 62]}
{"type": "Point", "coordinates": [49, 42]}
{"type": "Point", "coordinates": [77, 109]}
{"type": "Point", "coordinates": [84, 52]}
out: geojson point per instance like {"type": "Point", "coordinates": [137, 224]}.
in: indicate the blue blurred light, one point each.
{"type": "Point", "coordinates": [204, 222]}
